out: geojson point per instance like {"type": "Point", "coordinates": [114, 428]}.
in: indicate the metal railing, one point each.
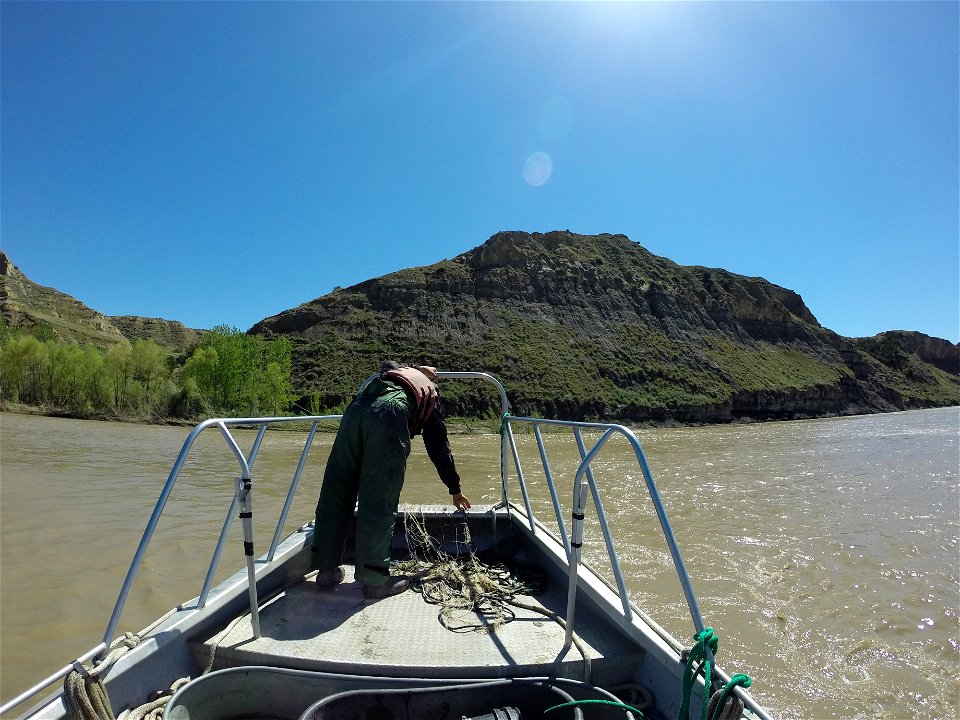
{"type": "Point", "coordinates": [243, 494]}
{"type": "Point", "coordinates": [584, 480]}
{"type": "Point", "coordinates": [242, 500]}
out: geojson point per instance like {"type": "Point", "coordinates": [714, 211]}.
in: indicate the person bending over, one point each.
{"type": "Point", "coordinates": [366, 468]}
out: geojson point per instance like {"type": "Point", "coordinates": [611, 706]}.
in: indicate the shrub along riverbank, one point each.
{"type": "Point", "coordinates": [229, 373]}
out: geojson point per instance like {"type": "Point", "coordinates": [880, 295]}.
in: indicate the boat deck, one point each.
{"type": "Point", "coordinates": [401, 636]}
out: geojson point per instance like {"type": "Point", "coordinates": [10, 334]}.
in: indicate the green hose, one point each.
{"type": "Point", "coordinates": [612, 703]}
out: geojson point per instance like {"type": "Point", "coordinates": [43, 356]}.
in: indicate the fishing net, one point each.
{"type": "Point", "coordinates": [475, 591]}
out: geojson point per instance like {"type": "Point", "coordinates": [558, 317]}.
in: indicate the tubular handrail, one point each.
{"type": "Point", "coordinates": [245, 462]}
{"type": "Point", "coordinates": [288, 502]}
{"type": "Point", "coordinates": [51, 679]}
{"type": "Point", "coordinates": [585, 480]}
{"type": "Point", "coordinates": [241, 493]}
{"type": "Point", "coordinates": [242, 500]}
{"type": "Point", "coordinates": [605, 528]}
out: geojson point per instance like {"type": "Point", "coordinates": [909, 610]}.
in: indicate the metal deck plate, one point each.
{"type": "Point", "coordinates": [338, 631]}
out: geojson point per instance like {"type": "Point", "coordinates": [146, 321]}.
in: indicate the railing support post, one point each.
{"type": "Point", "coordinates": [245, 501]}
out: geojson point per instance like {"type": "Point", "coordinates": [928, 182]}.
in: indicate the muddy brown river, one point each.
{"type": "Point", "coordinates": [825, 553]}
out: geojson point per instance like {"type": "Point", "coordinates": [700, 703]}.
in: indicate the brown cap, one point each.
{"type": "Point", "coordinates": [430, 372]}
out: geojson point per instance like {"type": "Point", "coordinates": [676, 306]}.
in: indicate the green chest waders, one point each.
{"type": "Point", "coordinates": [366, 468]}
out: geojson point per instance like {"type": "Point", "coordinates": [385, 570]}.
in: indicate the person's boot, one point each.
{"type": "Point", "coordinates": [327, 579]}
{"type": "Point", "coordinates": [393, 586]}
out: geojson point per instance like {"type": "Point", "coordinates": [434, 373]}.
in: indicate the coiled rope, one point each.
{"type": "Point", "coordinates": [465, 582]}
{"type": "Point", "coordinates": [723, 704]}
{"type": "Point", "coordinates": [86, 697]}
{"type": "Point", "coordinates": [154, 710]}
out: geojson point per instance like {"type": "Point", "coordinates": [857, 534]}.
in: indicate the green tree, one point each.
{"type": "Point", "coordinates": [149, 373]}
{"type": "Point", "coordinates": [67, 375]}
{"type": "Point", "coordinates": [5, 331]}
{"type": "Point", "coordinates": [99, 387]}
{"type": "Point", "coordinates": [269, 388]}
{"type": "Point", "coordinates": [200, 369]}
{"type": "Point", "coordinates": [44, 332]}
{"type": "Point", "coordinates": [23, 364]}
{"type": "Point", "coordinates": [274, 386]}
{"type": "Point", "coordinates": [233, 373]}
{"type": "Point", "coordinates": [231, 348]}
{"type": "Point", "coordinates": [118, 369]}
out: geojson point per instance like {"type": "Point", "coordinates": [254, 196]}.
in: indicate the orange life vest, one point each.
{"type": "Point", "coordinates": [421, 389]}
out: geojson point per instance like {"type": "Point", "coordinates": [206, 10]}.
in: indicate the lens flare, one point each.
{"type": "Point", "coordinates": [537, 169]}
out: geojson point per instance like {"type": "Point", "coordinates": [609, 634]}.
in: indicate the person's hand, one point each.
{"type": "Point", "coordinates": [460, 501]}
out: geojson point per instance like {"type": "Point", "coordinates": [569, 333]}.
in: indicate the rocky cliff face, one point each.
{"type": "Point", "coordinates": [597, 326]}
{"type": "Point", "coordinates": [896, 346]}
{"type": "Point", "coordinates": [170, 334]}
{"type": "Point", "coordinates": [27, 305]}
{"type": "Point", "coordinates": [576, 327]}
{"type": "Point", "coordinates": [582, 283]}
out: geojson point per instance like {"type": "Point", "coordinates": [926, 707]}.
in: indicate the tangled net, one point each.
{"type": "Point", "coordinates": [475, 591]}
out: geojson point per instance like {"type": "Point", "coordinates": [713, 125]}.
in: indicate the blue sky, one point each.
{"type": "Point", "coordinates": [217, 163]}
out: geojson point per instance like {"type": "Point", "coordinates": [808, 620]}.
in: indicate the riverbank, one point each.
{"type": "Point", "coordinates": [457, 425]}
{"type": "Point", "coordinates": [51, 411]}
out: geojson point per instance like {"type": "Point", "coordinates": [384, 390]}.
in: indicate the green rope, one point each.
{"type": "Point", "coordinates": [698, 654]}
{"type": "Point", "coordinates": [612, 703]}
{"type": "Point", "coordinates": [739, 679]}
{"type": "Point", "coordinates": [503, 422]}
